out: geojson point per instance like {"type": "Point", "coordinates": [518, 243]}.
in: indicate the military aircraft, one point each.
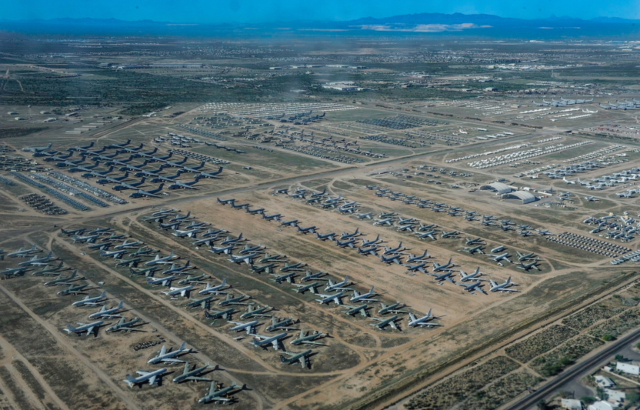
{"type": "Point", "coordinates": [217, 314]}
{"type": "Point", "coordinates": [256, 312]}
{"type": "Point", "coordinates": [107, 313]}
{"type": "Point", "coordinates": [383, 323]}
{"type": "Point", "coordinates": [442, 277]}
{"type": "Point", "coordinates": [124, 326]}
{"type": "Point", "coordinates": [296, 267]}
{"type": "Point", "coordinates": [222, 249]}
{"type": "Point", "coordinates": [149, 377]}
{"type": "Point", "coordinates": [500, 258]}
{"type": "Point", "coordinates": [423, 321]}
{"type": "Point", "coordinates": [225, 201]}
{"type": "Point", "coordinates": [303, 288]}
{"type": "Point", "coordinates": [35, 261]}
{"type": "Point", "coordinates": [193, 279]}
{"type": "Point", "coordinates": [160, 261]}
{"type": "Point", "coordinates": [363, 215]}
{"type": "Point", "coordinates": [23, 253]}
{"type": "Point", "coordinates": [230, 240]}
{"type": "Point", "coordinates": [116, 254]}
{"type": "Point", "coordinates": [528, 266]}
{"type": "Point", "coordinates": [339, 285]}
{"type": "Point", "coordinates": [217, 395]}
{"type": "Point", "coordinates": [148, 272]}
{"type": "Point", "coordinates": [283, 324]}
{"type": "Point", "coordinates": [313, 276]}
{"type": "Point", "coordinates": [73, 290]}
{"type": "Point", "coordinates": [73, 232]}
{"type": "Point", "coordinates": [444, 267]}
{"type": "Point", "coordinates": [525, 256]}
{"type": "Point", "coordinates": [147, 194]}
{"type": "Point", "coordinates": [265, 341]}
{"type": "Point", "coordinates": [122, 186]}
{"type": "Point", "coordinates": [353, 310]}
{"type": "Point", "coordinates": [366, 243]}
{"type": "Point", "coordinates": [472, 276]}
{"type": "Point", "coordinates": [174, 292]}
{"type": "Point", "coordinates": [473, 249]}
{"type": "Point", "coordinates": [302, 358]}
{"type": "Point", "coordinates": [472, 287]}
{"type": "Point", "coordinates": [249, 327]}
{"type": "Point", "coordinates": [289, 277]}
{"type": "Point", "coordinates": [420, 267]}
{"type": "Point", "coordinates": [309, 338]}
{"type": "Point", "coordinates": [323, 237]}
{"type": "Point", "coordinates": [91, 301]}
{"type": "Point", "coordinates": [61, 281]}
{"type": "Point", "coordinates": [428, 234]}
{"type": "Point", "coordinates": [394, 308]}
{"type": "Point", "coordinates": [417, 258]}
{"type": "Point", "coordinates": [293, 222]}
{"type": "Point", "coordinates": [184, 185]}
{"type": "Point", "coordinates": [166, 281]}
{"type": "Point", "coordinates": [230, 300]}
{"type": "Point", "coordinates": [364, 297]}
{"type": "Point", "coordinates": [451, 234]}
{"type": "Point", "coordinates": [165, 356]}
{"type": "Point", "coordinates": [307, 229]}
{"type": "Point", "coordinates": [214, 289]}
{"type": "Point", "coordinates": [90, 328]}
{"type": "Point", "coordinates": [328, 298]}
{"type": "Point", "coordinates": [274, 217]}
{"type": "Point", "coordinates": [15, 272]}
{"type": "Point", "coordinates": [193, 374]}
{"type": "Point", "coordinates": [210, 174]}
{"type": "Point", "coordinates": [204, 303]}
{"type": "Point", "coordinates": [50, 271]}
{"type": "Point", "coordinates": [385, 221]}
{"type": "Point", "coordinates": [503, 287]}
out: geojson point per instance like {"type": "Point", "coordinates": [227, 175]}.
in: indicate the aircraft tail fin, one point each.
{"type": "Point", "coordinates": [283, 359]}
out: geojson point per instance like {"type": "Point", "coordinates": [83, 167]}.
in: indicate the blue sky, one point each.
{"type": "Point", "coordinates": [254, 11]}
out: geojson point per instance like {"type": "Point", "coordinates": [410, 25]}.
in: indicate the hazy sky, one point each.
{"type": "Point", "coordinates": [252, 11]}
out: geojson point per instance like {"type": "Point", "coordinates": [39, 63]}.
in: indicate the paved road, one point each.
{"type": "Point", "coordinates": [578, 370]}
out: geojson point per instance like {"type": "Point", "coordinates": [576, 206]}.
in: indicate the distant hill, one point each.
{"type": "Point", "coordinates": [478, 25]}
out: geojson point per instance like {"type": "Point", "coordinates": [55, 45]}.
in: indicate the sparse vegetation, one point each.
{"type": "Point", "coordinates": [539, 343]}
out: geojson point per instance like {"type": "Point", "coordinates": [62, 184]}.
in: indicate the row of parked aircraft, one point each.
{"type": "Point", "coordinates": [560, 103]}
{"type": "Point", "coordinates": [89, 160]}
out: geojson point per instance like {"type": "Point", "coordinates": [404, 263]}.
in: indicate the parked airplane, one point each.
{"type": "Point", "coordinates": [165, 356]}
{"type": "Point", "coordinates": [149, 377]}
{"type": "Point", "coordinates": [90, 328]}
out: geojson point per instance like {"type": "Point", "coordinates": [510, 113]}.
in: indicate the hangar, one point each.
{"type": "Point", "coordinates": [498, 187]}
{"type": "Point", "coordinates": [525, 197]}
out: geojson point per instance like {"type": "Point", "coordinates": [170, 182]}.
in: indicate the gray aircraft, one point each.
{"type": "Point", "coordinates": [442, 277]}
{"type": "Point", "coordinates": [61, 281]}
{"type": "Point", "coordinates": [274, 217]}
{"type": "Point", "coordinates": [113, 254]}
{"type": "Point", "coordinates": [249, 327]}
{"type": "Point", "coordinates": [366, 243]}
{"type": "Point", "coordinates": [368, 215]}
{"type": "Point", "coordinates": [309, 338]}
{"type": "Point", "coordinates": [149, 377]}
{"type": "Point", "coordinates": [176, 269]}
{"type": "Point", "coordinates": [49, 271]}
{"type": "Point", "coordinates": [230, 300]}
{"type": "Point", "coordinates": [222, 249]}
{"type": "Point", "coordinates": [14, 272]}
{"type": "Point", "coordinates": [429, 234]}
{"type": "Point", "coordinates": [473, 249]}
{"type": "Point", "coordinates": [503, 287]}
{"type": "Point", "coordinates": [364, 297]}
{"type": "Point", "coordinates": [91, 301]}
{"type": "Point", "coordinates": [336, 298]}
{"type": "Point", "coordinates": [529, 266]}
{"type": "Point", "coordinates": [475, 275]}
{"type": "Point", "coordinates": [23, 253]}
{"type": "Point", "coordinates": [35, 261]}
{"type": "Point", "coordinates": [283, 324]}
{"type": "Point", "coordinates": [141, 193]}
{"type": "Point", "coordinates": [313, 276]}
{"type": "Point", "coordinates": [193, 375]}
{"type": "Point", "coordinates": [525, 256]}
{"type": "Point", "coordinates": [215, 289]}
{"type": "Point", "coordinates": [160, 261]}
{"type": "Point", "coordinates": [472, 287]}
{"type": "Point", "coordinates": [197, 280]}
{"type": "Point", "coordinates": [354, 310]}
{"type": "Point", "coordinates": [124, 326]}
{"type": "Point", "coordinates": [191, 233]}
{"type": "Point", "coordinates": [451, 234]}
{"type": "Point", "coordinates": [204, 303]}
{"type": "Point", "coordinates": [302, 358]}
{"type": "Point", "coordinates": [417, 258]}
{"type": "Point", "coordinates": [107, 313]}
{"type": "Point", "coordinates": [306, 230]}
{"type": "Point", "coordinates": [218, 314]}
{"type": "Point", "coordinates": [247, 259]}
{"type": "Point", "coordinates": [500, 258]}
{"type": "Point", "coordinates": [423, 321]}
{"type": "Point", "coordinates": [444, 267]}
{"type": "Point", "coordinates": [148, 272]}
{"type": "Point", "coordinates": [300, 288]}
{"type": "Point", "coordinates": [175, 292]}
{"type": "Point", "coordinates": [266, 341]}
{"type": "Point", "coordinates": [72, 290]}
{"type": "Point", "coordinates": [229, 240]}
{"type": "Point", "coordinates": [258, 311]}
{"type": "Point", "coordinates": [420, 267]}
{"type": "Point", "coordinates": [394, 308]}
{"type": "Point", "coordinates": [90, 328]}
{"type": "Point", "coordinates": [339, 286]}
{"type": "Point", "coordinates": [166, 281]}
{"type": "Point", "coordinates": [165, 356]}
{"type": "Point", "coordinates": [268, 268]}
{"type": "Point", "coordinates": [383, 323]}
{"type": "Point", "coordinates": [293, 222]}
{"type": "Point", "coordinates": [218, 395]}
{"type": "Point", "coordinates": [385, 221]}
{"type": "Point", "coordinates": [289, 277]}
{"type": "Point", "coordinates": [296, 267]}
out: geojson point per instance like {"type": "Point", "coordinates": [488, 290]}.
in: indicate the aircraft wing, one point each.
{"type": "Point", "coordinates": [197, 379]}
{"type": "Point", "coordinates": [276, 344]}
{"type": "Point", "coordinates": [142, 372]}
{"type": "Point", "coordinates": [90, 330]}
{"type": "Point", "coordinates": [304, 361]}
{"type": "Point", "coordinates": [306, 342]}
{"type": "Point", "coordinates": [169, 360]}
{"type": "Point", "coordinates": [152, 380]}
